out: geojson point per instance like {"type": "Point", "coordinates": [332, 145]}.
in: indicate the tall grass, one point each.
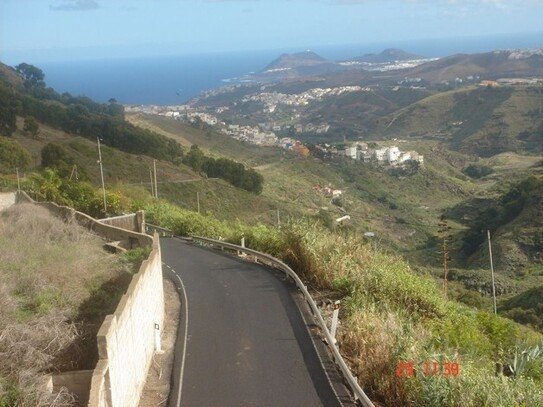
{"type": "Point", "coordinates": [50, 273]}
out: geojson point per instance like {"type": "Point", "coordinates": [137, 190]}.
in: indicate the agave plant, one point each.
{"type": "Point", "coordinates": [527, 360]}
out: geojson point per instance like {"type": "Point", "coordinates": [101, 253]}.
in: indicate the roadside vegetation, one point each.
{"type": "Point", "coordinates": [393, 317]}
{"type": "Point", "coordinates": [56, 285]}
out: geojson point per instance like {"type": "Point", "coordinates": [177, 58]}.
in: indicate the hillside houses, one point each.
{"type": "Point", "coordinates": [361, 152]}
{"type": "Point", "coordinates": [270, 100]}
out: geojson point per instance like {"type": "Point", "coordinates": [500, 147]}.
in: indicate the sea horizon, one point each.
{"type": "Point", "coordinates": [175, 79]}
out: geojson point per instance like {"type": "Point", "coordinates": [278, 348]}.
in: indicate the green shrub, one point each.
{"type": "Point", "coordinates": [9, 394]}
{"type": "Point", "coordinates": [477, 171]}
{"type": "Point", "coordinates": [12, 156]}
{"type": "Point", "coordinates": [137, 256]}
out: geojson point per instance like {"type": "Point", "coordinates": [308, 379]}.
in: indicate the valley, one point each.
{"type": "Point", "coordinates": [358, 184]}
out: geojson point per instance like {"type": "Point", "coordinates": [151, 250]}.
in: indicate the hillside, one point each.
{"type": "Point", "coordinates": [447, 71]}
{"type": "Point", "coordinates": [475, 120]}
{"type": "Point", "coordinates": [9, 75]}
{"type": "Point", "coordinates": [491, 65]}
{"type": "Point", "coordinates": [51, 302]}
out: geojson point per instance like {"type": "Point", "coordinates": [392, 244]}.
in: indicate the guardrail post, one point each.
{"type": "Point", "coordinates": [335, 316]}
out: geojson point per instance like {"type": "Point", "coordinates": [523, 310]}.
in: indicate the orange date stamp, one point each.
{"type": "Point", "coordinates": [410, 369]}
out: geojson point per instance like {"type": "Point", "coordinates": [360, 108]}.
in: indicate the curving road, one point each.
{"type": "Point", "coordinates": [242, 339]}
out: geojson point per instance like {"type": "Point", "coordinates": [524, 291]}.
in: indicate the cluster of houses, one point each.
{"type": "Point", "coordinates": [360, 151]}
{"type": "Point", "coordinates": [171, 111]}
{"type": "Point", "coordinates": [250, 134]}
{"type": "Point", "coordinates": [511, 82]}
{"type": "Point", "coordinates": [270, 100]}
{"type": "Point", "coordinates": [255, 135]}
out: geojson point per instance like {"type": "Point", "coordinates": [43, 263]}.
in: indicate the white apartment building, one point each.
{"type": "Point", "coordinates": [351, 152]}
{"type": "Point", "coordinates": [380, 154]}
{"type": "Point", "coordinates": [393, 154]}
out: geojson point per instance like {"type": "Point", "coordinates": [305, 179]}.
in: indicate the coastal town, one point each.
{"type": "Point", "coordinates": [265, 116]}
{"type": "Point", "coordinates": [263, 135]}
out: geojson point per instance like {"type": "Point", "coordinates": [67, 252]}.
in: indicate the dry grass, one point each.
{"type": "Point", "coordinates": [49, 273]}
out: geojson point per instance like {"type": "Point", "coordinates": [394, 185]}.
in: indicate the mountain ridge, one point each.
{"type": "Point", "coordinates": [388, 55]}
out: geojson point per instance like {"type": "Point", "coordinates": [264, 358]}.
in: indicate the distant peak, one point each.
{"type": "Point", "coordinates": [302, 58]}
{"type": "Point", "coordinates": [389, 55]}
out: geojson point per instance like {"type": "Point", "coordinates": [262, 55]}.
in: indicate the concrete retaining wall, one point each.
{"type": "Point", "coordinates": [126, 339]}
{"type": "Point", "coordinates": [77, 382]}
{"type": "Point", "coordinates": [134, 222]}
{"type": "Point", "coordinates": [109, 232]}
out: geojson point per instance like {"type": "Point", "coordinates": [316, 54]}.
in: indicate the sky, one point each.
{"type": "Point", "coordinates": [58, 30]}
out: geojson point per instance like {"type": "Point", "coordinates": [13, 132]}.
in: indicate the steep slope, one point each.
{"type": "Point", "coordinates": [9, 75]}
{"type": "Point", "coordinates": [475, 120]}
{"type": "Point", "coordinates": [491, 65]}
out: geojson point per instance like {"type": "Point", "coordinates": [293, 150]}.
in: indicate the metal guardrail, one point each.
{"type": "Point", "coordinates": [150, 229]}
{"type": "Point", "coordinates": [351, 380]}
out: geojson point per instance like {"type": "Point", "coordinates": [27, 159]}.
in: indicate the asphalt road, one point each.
{"type": "Point", "coordinates": [242, 339]}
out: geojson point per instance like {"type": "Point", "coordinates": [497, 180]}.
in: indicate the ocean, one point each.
{"type": "Point", "coordinates": [170, 80]}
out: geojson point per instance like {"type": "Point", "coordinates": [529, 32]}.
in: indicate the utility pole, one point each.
{"type": "Point", "coordinates": [444, 229]}
{"type": "Point", "coordinates": [102, 175]}
{"type": "Point", "coordinates": [492, 272]}
{"type": "Point", "coordinates": [156, 185]}
{"type": "Point", "coordinates": [152, 184]}
{"type": "Point", "coordinates": [18, 181]}
{"type": "Point", "coordinates": [198, 200]}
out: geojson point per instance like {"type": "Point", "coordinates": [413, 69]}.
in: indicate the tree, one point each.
{"type": "Point", "coordinates": [47, 186]}
{"type": "Point", "coordinates": [114, 108]}
{"type": "Point", "coordinates": [31, 126]}
{"type": "Point", "coordinates": [195, 158]}
{"type": "Point", "coordinates": [56, 157]}
{"type": "Point", "coordinates": [32, 75]}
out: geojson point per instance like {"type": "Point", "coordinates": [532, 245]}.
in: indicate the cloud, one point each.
{"type": "Point", "coordinates": [75, 5]}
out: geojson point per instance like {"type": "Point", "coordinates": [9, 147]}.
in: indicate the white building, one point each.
{"type": "Point", "coordinates": [351, 152]}
{"type": "Point", "coordinates": [380, 154]}
{"type": "Point", "coordinates": [364, 155]}
{"type": "Point", "coordinates": [393, 154]}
